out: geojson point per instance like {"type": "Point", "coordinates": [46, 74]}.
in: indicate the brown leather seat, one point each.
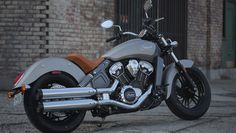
{"type": "Point", "coordinates": [85, 64]}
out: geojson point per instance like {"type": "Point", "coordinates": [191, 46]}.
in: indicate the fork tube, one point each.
{"type": "Point", "coordinates": [182, 70]}
{"type": "Point", "coordinates": [174, 57]}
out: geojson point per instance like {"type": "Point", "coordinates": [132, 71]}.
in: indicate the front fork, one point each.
{"type": "Point", "coordinates": [182, 70]}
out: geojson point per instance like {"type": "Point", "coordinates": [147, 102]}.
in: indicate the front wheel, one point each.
{"type": "Point", "coordinates": [52, 122]}
{"type": "Point", "coordinates": [190, 103]}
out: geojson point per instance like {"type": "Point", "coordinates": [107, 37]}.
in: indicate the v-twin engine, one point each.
{"type": "Point", "coordinates": [133, 76]}
{"type": "Point", "coordinates": [138, 70]}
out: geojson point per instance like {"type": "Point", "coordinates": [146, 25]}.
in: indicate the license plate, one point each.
{"type": "Point", "coordinates": [18, 98]}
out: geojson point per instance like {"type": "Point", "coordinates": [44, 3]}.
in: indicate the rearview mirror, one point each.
{"type": "Point", "coordinates": [147, 5]}
{"type": "Point", "coordinates": [107, 24]}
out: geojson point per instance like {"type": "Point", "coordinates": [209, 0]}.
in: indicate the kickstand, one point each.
{"type": "Point", "coordinates": [101, 122]}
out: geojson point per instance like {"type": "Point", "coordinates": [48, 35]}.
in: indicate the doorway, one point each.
{"type": "Point", "coordinates": [130, 14]}
{"type": "Point", "coordinates": [229, 47]}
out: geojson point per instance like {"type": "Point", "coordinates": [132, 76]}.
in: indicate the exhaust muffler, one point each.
{"type": "Point", "coordinates": [77, 92]}
{"type": "Point", "coordinates": [66, 93]}
{"type": "Point", "coordinates": [68, 105]}
{"type": "Point", "coordinates": [90, 103]}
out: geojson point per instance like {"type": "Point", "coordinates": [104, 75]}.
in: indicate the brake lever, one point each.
{"type": "Point", "coordinates": [159, 19]}
{"type": "Point", "coordinates": [156, 20]}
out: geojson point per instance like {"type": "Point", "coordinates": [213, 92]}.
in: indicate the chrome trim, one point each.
{"type": "Point", "coordinates": [90, 103]}
{"type": "Point", "coordinates": [164, 41]}
{"type": "Point", "coordinates": [76, 92]}
{"type": "Point", "coordinates": [108, 90]}
{"type": "Point", "coordinates": [174, 44]}
{"type": "Point", "coordinates": [116, 69]}
{"type": "Point", "coordinates": [146, 14]}
{"type": "Point", "coordinates": [138, 93]}
{"type": "Point", "coordinates": [159, 19]}
{"type": "Point", "coordinates": [68, 92]}
{"type": "Point", "coordinates": [69, 105]}
{"type": "Point", "coordinates": [174, 57]}
{"type": "Point", "coordinates": [118, 26]}
{"type": "Point", "coordinates": [130, 33]}
{"type": "Point", "coordinates": [133, 67]}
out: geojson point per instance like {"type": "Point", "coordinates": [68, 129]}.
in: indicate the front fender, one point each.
{"type": "Point", "coordinates": [47, 65]}
{"type": "Point", "coordinates": [170, 72]}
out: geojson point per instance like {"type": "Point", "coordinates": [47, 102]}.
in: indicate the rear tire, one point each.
{"type": "Point", "coordinates": [189, 105]}
{"type": "Point", "coordinates": [46, 121]}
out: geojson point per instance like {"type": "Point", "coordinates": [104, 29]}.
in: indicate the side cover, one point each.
{"type": "Point", "coordinates": [135, 48]}
{"type": "Point", "coordinates": [47, 65]}
{"type": "Point", "coordinates": [170, 72]}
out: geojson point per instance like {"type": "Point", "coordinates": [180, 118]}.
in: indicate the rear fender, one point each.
{"type": "Point", "coordinates": [47, 65]}
{"type": "Point", "coordinates": [170, 72]}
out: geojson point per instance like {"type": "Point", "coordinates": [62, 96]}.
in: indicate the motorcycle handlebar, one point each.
{"type": "Point", "coordinates": [156, 20]}
{"type": "Point", "coordinates": [120, 35]}
{"type": "Point", "coordinates": [113, 38]}
{"type": "Point", "coordinates": [130, 33]}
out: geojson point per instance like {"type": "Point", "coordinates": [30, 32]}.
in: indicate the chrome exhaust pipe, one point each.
{"type": "Point", "coordinates": [69, 105]}
{"type": "Point", "coordinates": [90, 103]}
{"type": "Point", "coordinates": [67, 93]}
{"type": "Point", "coordinates": [77, 92]}
{"type": "Point", "coordinates": [127, 106]}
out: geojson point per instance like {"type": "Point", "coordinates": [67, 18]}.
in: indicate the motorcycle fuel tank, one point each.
{"type": "Point", "coordinates": [135, 48]}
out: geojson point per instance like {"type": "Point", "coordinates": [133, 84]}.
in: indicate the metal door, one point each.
{"type": "Point", "coordinates": [175, 24]}
{"type": "Point", "coordinates": [229, 47]}
{"type": "Point", "coordinates": [129, 14]}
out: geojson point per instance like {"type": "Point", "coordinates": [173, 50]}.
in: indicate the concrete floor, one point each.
{"type": "Point", "coordinates": [221, 117]}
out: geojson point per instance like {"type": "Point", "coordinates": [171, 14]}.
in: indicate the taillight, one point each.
{"type": "Point", "coordinates": [18, 78]}
{"type": "Point", "coordinates": [55, 72]}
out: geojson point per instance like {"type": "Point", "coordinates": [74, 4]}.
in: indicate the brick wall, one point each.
{"type": "Point", "coordinates": [34, 29]}
{"type": "Point", "coordinates": [92, 36]}
{"type": "Point", "coordinates": [199, 38]}
{"type": "Point", "coordinates": [21, 28]}
{"type": "Point", "coordinates": [74, 27]}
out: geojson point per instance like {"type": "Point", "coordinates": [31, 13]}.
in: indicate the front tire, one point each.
{"type": "Point", "coordinates": [59, 122]}
{"type": "Point", "coordinates": [188, 103]}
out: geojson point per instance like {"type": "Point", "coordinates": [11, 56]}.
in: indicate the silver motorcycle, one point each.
{"type": "Point", "coordinates": [131, 77]}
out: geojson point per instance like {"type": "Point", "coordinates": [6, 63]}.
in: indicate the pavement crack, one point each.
{"type": "Point", "coordinates": [12, 124]}
{"type": "Point", "coordinates": [12, 113]}
{"type": "Point", "coordinates": [194, 125]}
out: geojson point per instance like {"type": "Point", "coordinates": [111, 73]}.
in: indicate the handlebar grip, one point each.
{"type": "Point", "coordinates": [113, 38]}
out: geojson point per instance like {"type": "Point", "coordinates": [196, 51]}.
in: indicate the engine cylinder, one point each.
{"type": "Point", "coordinates": [145, 70]}
{"type": "Point", "coordinates": [118, 72]}
{"type": "Point", "coordinates": [133, 67]}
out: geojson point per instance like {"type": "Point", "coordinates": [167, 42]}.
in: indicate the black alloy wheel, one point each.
{"type": "Point", "coordinates": [59, 122]}
{"type": "Point", "coordinates": [186, 102]}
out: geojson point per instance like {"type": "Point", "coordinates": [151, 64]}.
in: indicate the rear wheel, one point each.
{"type": "Point", "coordinates": [52, 121]}
{"type": "Point", "coordinates": [186, 102]}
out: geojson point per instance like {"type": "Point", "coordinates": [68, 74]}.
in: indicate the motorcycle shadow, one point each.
{"type": "Point", "coordinates": [132, 123]}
